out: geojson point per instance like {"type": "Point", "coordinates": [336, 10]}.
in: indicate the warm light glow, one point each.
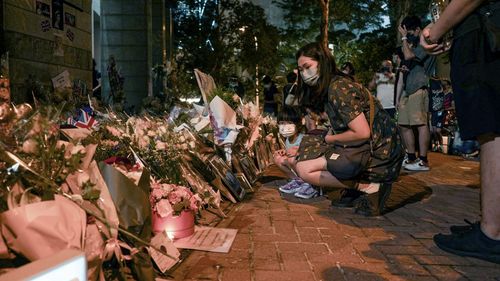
{"type": "Point", "coordinates": [170, 235]}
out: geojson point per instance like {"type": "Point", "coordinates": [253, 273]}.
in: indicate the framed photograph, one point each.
{"type": "Point", "coordinates": [244, 182]}
{"type": "Point", "coordinates": [57, 14]}
{"type": "Point", "coordinates": [249, 168]}
{"type": "Point", "coordinates": [198, 183]}
{"type": "Point", "coordinates": [261, 155]}
{"type": "Point", "coordinates": [43, 9]}
{"type": "Point", "coordinates": [222, 169]}
{"type": "Point", "coordinates": [69, 19]}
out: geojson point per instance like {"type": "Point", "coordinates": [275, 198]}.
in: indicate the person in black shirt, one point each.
{"type": "Point", "coordinates": [476, 89]}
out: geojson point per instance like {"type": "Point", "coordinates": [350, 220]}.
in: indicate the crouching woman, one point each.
{"type": "Point", "coordinates": [347, 105]}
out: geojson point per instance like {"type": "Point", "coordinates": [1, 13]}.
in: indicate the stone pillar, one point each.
{"type": "Point", "coordinates": [126, 34]}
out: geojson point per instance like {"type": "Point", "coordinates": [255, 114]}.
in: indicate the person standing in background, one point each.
{"type": "Point", "coordinates": [413, 106]}
{"type": "Point", "coordinates": [270, 90]}
{"type": "Point", "coordinates": [383, 82]}
{"type": "Point", "coordinates": [475, 63]}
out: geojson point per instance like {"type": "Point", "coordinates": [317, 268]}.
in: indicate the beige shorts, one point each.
{"type": "Point", "coordinates": [413, 109]}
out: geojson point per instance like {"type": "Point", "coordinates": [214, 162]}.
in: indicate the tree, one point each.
{"type": "Point", "coordinates": [303, 25]}
{"type": "Point", "coordinates": [219, 37]}
{"type": "Point", "coordinates": [324, 22]}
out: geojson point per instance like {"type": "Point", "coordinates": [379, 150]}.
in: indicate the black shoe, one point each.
{"type": "Point", "coordinates": [456, 229]}
{"type": "Point", "coordinates": [370, 205]}
{"type": "Point", "coordinates": [347, 197]}
{"type": "Point", "coordinates": [472, 243]}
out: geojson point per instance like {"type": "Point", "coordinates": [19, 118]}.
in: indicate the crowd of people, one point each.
{"type": "Point", "coordinates": [341, 135]}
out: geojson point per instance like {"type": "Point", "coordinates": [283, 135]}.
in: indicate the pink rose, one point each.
{"type": "Point", "coordinates": [163, 208]}
{"type": "Point", "coordinates": [30, 146]}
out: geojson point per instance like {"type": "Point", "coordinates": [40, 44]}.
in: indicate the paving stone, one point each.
{"type": "Point", "coordinates": [284, 227]}
{"type": "Point", "coordinates": [235, 274]}
{"type": "Point", "coordinates": [400, 239]}
{"type": "Point", "coordinates": [266, 264]}
{"type": "Point", "coordinates": [264, 250]}
{"type": "Point", "coordinates": [316, 248]}
{"type": "Point", "coordinates": [443, 272]}
{"type": "Point", "coordinates": [407, 250]}
{"type": "Point", "coordinates": [441, 260]}
{"type": "Point", "coordinates": [369, 254]}
{"type": "Point", "coordinates": [242, 241]}
{"type": "Point", "coordinates": [276, 238]}
{"type": "Point", "coordinates": [405, 265]}
{"type": "Point", "coordinates": [295, 262]}
{"type": "Point", "coordinates": [267, 275]}
{"type": "Point", "coordinates": [477, 271]}
{"type": "Point", "coordinates": [311, 238]}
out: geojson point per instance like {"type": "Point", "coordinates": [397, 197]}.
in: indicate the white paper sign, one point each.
{"type": "Point", "coordinates": [210, 239]}
{"type": "Point", "coordinates": [62, 80]}
{"type": "Point", "coordinates": [161, 241]}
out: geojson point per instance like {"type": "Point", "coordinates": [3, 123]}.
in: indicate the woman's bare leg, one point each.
{"type": "Point", "coordinates": [315, 172]}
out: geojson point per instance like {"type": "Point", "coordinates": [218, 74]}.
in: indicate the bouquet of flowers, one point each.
{"type": "Point", "coordinates": [171, 199]}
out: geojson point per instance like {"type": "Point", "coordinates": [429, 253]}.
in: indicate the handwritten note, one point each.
{"type": "Point", "coordinates": [208, 239]}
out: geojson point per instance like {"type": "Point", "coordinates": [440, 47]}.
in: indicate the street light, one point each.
{"type": "Point", "coordinates": [256, 74]}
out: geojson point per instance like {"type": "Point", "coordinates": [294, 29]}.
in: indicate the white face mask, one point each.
{"type": "Point", "coordinates": [287, 130]}
{"type": "Point", "coordinates": [310, 76]}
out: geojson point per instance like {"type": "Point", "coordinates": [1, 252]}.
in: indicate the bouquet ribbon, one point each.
{"type": "Point", "coordinates": [114, 247]}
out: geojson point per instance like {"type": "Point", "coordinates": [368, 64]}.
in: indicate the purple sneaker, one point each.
{"type": "Point", "coordinates": [291, 187]}
{"type": "Point", "coordinates": [306, 191]}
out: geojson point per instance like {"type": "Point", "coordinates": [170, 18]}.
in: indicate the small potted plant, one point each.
{"type": "Point", "coordinates": [174, 208]}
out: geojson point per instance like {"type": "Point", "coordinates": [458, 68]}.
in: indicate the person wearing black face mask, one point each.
{"type": "Point", "coordinates": [413, 106]}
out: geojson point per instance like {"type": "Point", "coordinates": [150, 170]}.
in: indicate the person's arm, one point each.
{"type": "Point", "coordinates": [359, 129]}
{"type": "Point", "coordinates": [399, 89]}
{"type": "Point", "coordinates": [454, 13]}
{"type": "Point", "coordinates": [406, 48]}
{"type": "Point", "coordinates": [373, 83]}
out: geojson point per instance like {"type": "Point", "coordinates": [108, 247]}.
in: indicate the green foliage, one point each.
{"type": "Point", "coordinates": [221, 41]}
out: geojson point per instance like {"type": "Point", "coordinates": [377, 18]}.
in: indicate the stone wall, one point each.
{"type": "Point", "coordinates": [31, 42]}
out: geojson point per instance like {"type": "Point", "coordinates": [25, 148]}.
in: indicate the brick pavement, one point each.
{"type": "Point", "coordinates": [284, 238]}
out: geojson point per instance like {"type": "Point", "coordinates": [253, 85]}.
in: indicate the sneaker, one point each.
{"type": "Point", "coordinates": [418, 165]}
{"type": "Point", "coordinates": [291, 187]}
{"type": "Point", "coordinates": [406, 161]}
{"type": "Point", "coordinates": [347, 198]}
{"type": "Point", "coordinates": [472, 243]}
{"type": "Point", "coordinates": [373, 204]}
{"type": "Point", "coordinates": [306, 191]}
{"type": "Point", "coordinates": [456, 229]}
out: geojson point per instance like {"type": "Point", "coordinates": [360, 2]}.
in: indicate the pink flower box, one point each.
{"type": "Point", "coordinates": [175, 226]}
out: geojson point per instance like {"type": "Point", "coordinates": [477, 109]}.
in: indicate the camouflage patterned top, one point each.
{"type": "Point", "coordinates": [348, 99]}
